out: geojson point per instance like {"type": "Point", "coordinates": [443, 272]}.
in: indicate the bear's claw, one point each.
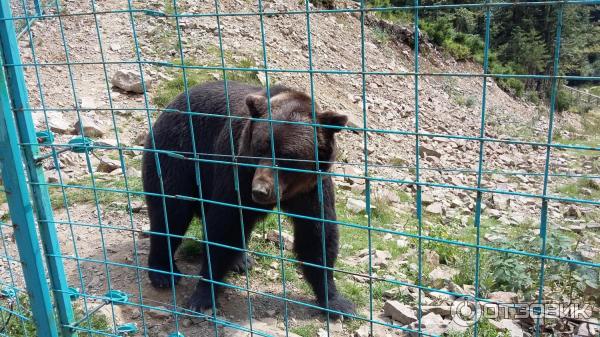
{"type": "Point", "coordinates": [162, 279]}
{"type": "Point", "coordinates": [339, 304]}
{"type": "Point", "coordinates": [240, 265]}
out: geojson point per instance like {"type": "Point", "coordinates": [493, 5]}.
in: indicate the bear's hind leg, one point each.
{"type": "Point", "coordinates": [161, 259]}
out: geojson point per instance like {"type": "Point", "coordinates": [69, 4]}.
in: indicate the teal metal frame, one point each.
{"type": "Point", "coordinates": [22, 216]}
{"type": "Point", "coordinates": [18, 127]}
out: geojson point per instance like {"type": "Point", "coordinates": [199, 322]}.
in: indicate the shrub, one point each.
{"type": "Point", "coordinates": [564, 100]}
{"type": "Point", "coordinates": [459, 51]}
{"type": "Point", "coordinates": [328, 4]}
{"type": "Point", "coordinates": [532, 97]}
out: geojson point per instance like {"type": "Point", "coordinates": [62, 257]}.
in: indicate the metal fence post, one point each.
{"type": "Point", "coordinates": [21, 212]}
{"type": "Point", "coordinates": [15, 87]}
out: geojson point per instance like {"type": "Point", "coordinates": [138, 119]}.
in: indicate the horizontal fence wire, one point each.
{"type": "Point", "coordinates": [388, 249]}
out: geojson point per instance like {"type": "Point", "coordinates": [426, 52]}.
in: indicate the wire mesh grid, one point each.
{"type": "Point", "coordinates": [14, 312]}
{"type": "Point", "coordinates": [401, 224]}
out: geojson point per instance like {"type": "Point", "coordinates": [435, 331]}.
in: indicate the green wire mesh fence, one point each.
{"type": "Point", "coordinates": [462, 210]}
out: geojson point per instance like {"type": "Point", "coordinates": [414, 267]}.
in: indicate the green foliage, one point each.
{"type": "Point", "coordinates": [564, 100]}
{"type": "Point", "coordinates": [169, 89]}
{"type": "Point", "coordinates": [485, 329]}
{"type": "Point", "coordinates": [582, 188]}
{"type": "Point", "coordinates": [522, 39]}
{"type": "Point", "coordinates": [328, 4]}
{"type": "Point", "coordinates": [532, 97]}
{"type": "Point", "coordinates": [381, 35]}
{"type": "Point", "coordinates": [309, 330]}
{"type": "Point", "coordinates": [18, 327]}
{"type": "Point", "coordinates": [392, 15]}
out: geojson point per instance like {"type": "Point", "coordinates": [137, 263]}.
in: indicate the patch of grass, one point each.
{"type": "Point", "coordinates": [356, 292]}
{"type": "Point", "coordinates": [381, 36]}
{"type": "Point", "coordinates": [397, 161]}
{"type": "Point", "coordinates": [404, 197]}
{"type": "Point", "coordinates": [17, 327]}
{"type": "Point", "coordinates": [109, 192]}
{"type": "Point", "coordinates": [167, 90]}
{"type": "Point", "coordinates": [309, 330]}
{"type": "Point", "coordinates": [583, 188]}
{"type": "Point", "coordinates": [169, 9]}
{"type": "Point", "coordinates": [191, 248]}
{"type": "Point", "coordinates": [468, 102]}
{"type": "Point", "coordinates": [485, 329]}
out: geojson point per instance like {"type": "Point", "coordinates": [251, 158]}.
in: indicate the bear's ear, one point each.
{"type": "Point", "coordinates": [257, 105]}
{"type": "Point", "coordinates": [332, 118]}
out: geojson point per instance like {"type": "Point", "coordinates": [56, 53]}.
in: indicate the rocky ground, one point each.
{"type": "Point", "coordinates": [89, 62]}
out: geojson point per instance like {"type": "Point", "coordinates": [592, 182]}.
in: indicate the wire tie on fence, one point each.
{"type": "Point", "coordinates": [76, 144]}
{"type": "Point", "coordinates": [8, 292]}
{"type": "Point", "coordinates": [154, 13]}
{"type": "Point", "coordinates": [176, 334]}
{"type": "Point", "coordinates": [73, 293]}
{"type": "Point", "coordinates": [44, 137]}
{"type": "Point", "coordinates": [127, 328]}
{"type": "Point", "coordinates": [116, 297]}
{"type": "Point", "coordinates": [113, 296]}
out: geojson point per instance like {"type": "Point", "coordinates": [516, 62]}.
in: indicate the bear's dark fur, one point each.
{"type": "Point", "coordinates": [177, 179]}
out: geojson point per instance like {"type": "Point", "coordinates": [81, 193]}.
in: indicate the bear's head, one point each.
{"type": "Point", "coordinates": [295, 163]}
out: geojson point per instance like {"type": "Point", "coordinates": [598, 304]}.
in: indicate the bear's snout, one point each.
{"type": "Point", "coordinates": [263, 191]}
{"type": "Point", "coordinates": [261, 194]}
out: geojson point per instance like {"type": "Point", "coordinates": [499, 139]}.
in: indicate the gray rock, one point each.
{"type": "Point", "coordinates": [573, 212]}
{"type": "Point", "coordinates": [57, 123]}
{"type": "Point", "coordinates": [442, 274]}
{"type": "Point", "coordinates": [435, 208]}
{"type": "Point", "coordinates": [503, 297]}
{"type": "Point", "coordinates": [425, 150]}
{"type": "Point", "coordinates": [399, 312]}
{"type": "Point", "coordinates": [130, 81]}
{"type": "Point", "coordinates": [442, 310]}
{"type": "Point", "coordinates": [427, 198]}
{"type": "Point", "coordinates": [363, 331]}
{"type": "Point", "coordinates": [432, 324]}
{"type": "Point", "coordinates": [286, 239]}
{"type": "Point", "coordinates": [87, 103]}
{"type": "Point", "coordinates": [356, 206]}
{"type": "Point", "coordinates": [137, 206]}
{"type": "Point", "coordinates": [108, 165]}
{"type": "Point", "coordinates": [90, 128]}
{"type": "Point", "coordinates": [455, 327]}
{"type": "Point", "coordinates": [500, 201]}
{"type": "Point", "coordinates": [432, 258]}
{"type": "Point", "coordinates": [379, 258]}
{"type": "Point", "coordinates": [133, 173]}
{"type": "Point", "coordinates": [587, 330]}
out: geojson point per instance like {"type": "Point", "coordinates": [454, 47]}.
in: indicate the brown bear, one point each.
{"type": "Point", "coordinates": [189, 170]}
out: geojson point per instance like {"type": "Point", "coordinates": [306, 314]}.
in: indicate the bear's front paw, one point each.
{"type": "Point", "coordinates": [240, 265]}
{"type": "Point", "coordinates": [162, 279]}
{"type": "Point", "coordinates": [339, 304]}
{"type": "Point", "coordinates": [200, 303]}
